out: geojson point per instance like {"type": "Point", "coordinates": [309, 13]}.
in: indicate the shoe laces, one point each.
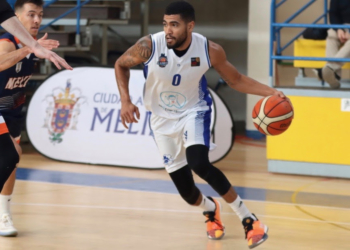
{"type": "Point", "coordinates": [211, 218]}
{"type": "Point", "coordinates": [247, 225]}
{"type": "Point", "coordinates": [6, 220]}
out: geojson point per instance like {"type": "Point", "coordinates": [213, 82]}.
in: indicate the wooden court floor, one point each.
{"type": "Point", "coordinates": [74, 206]}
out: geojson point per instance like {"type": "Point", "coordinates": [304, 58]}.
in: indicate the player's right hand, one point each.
{"type": "Point", "coordinates": [127, 113]}
{"type": "Point", "coordinates": [44, 53]}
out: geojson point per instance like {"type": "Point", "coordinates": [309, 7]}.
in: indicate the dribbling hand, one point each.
{"type": "Point", "coordinates": [281, 94]}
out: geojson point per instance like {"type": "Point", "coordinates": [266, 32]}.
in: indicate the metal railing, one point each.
{"type": "Point", "coordinates": [77, 9]}
{"type": "Point", "coordinates": [275, 34]}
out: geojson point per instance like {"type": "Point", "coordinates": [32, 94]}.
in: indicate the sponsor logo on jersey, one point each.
{"type": "Point", "coordinates": [162, 61]}
{"type": "Point", "coordinates": [173, 99]}
{"type": "Point", "coordinates": [195, 61]}
{"type": "Point", "coordinates": [18, 67]}
{"type": "Point", "coordinates": [17, 82]}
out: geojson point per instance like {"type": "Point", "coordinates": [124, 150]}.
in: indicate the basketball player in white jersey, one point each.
{"type": "Point", "coordinates": [176, 93]}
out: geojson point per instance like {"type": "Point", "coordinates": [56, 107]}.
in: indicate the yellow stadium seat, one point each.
{"type": "Point", "coordinates": [311, 48]}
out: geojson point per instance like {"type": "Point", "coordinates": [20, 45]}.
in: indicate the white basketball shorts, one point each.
{"type": "Point", "coordinates": [173, 136]}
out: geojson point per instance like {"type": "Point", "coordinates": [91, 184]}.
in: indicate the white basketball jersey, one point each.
{"type": "Point", "coordinates": [176, 85]}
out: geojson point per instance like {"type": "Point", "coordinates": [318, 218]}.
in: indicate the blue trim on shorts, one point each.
{"type": "Point", "coordinates": [206, 130]}
{"type": "Point", "coordinates": [204, 118]}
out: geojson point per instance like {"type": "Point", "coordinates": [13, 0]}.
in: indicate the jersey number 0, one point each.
{"type": "Point", "coordinates": [176, 80]}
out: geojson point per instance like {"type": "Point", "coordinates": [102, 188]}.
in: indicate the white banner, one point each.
{"type": "Point", "coordinates": [74, 116]}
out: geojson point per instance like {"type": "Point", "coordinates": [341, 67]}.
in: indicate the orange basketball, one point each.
{"type": "Point", "coordinates": [272, 115]}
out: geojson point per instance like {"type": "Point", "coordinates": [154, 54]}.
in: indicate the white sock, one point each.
{"type": "Point", "coordinates": [240, 209]}
{"type": "Point", "coordinates": [5, 204]}
{"type": "Point", "coordinates": [207, 204]}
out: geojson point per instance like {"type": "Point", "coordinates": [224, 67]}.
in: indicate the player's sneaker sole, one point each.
{"type": "Point", "coordinates": [263, 239]}
{"type": "Point", "coordinates": [13, 233]}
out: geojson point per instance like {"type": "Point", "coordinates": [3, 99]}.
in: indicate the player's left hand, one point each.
{"type": "Point", "coordinates": [48, 43]}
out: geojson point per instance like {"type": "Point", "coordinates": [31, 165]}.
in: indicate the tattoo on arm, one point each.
{"type": "Point", "coordinates": [143, 50]}
{"type": "Point", "coordinates": [127, 61]}
{"type": "Point", "coordinates": [137, 54]}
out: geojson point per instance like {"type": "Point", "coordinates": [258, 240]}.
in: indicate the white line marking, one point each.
{"type": "Point", "coordinates": [299, 204]}
{"type": "Point", "coordinates": [172, 210]}
{"type": "Point", "coordinates": [132, 190]}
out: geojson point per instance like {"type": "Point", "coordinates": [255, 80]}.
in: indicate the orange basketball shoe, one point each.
{"type": "Point", "coordinates": [255, 231]}
{"type": "Point", "coordinates": [215, 228]}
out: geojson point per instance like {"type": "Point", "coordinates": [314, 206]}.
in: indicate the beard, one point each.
{"type": "Point", "coordinates": [179, 42]}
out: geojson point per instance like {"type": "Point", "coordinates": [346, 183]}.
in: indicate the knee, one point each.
{"type": "Point", "coordinates": [201, 168]}
{"type": "Point", "coordinates": [11, 159]}
{"type": "Point", "coordinates": [332, 34]}
{"type": "Point", "coordinates": [187, 190]}
{"type": "Point", "coordinates": [184, 184]}
{"type": "Point", "coordinates": [198, 160]}
{"type": "Point", "coordinates": [9, 154]}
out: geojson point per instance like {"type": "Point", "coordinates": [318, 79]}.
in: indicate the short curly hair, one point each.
{"type": "Point", "coordinates": [182, 8]}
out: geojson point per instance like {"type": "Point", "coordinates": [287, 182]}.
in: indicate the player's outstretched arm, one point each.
{"type": "Point", "coordinates": [9, 56]}
{"type": "Point", "coordinates": [140, 52]}
{"type": "Point", "coordinates": [15, 27]}
{"type": "Point", "coordinates": [235, 79]}
{"type": "Point", "coordinates": [44, 53]}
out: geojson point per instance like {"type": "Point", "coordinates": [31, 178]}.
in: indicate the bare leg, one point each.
{"type": "Point", "coordinates": [230, 196]}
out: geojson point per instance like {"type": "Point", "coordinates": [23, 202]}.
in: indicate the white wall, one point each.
{"type": "Point", "coordinates": [258, 49]}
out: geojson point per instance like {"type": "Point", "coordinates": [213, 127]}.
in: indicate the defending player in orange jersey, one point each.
{"type": "Point", "coordinates": [12, 83]}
